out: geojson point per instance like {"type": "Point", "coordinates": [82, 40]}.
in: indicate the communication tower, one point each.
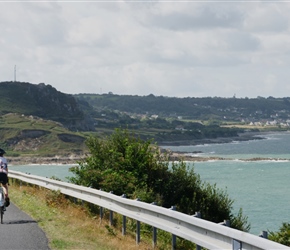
{"type": "Point", "coordinates": [15, 73]}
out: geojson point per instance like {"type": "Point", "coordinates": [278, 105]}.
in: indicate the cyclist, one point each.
{"type": "Point", "coordinates": [4, 171]}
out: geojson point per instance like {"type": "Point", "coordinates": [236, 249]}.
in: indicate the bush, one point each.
{"type": "Point", "coordinates": [127, 165]}
{"type": "Point", "coordinates": [282, 236]}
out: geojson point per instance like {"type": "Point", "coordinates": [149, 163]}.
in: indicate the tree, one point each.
{"type": "Point", "coordinates": [282, 236]}
{"type": "Point", "coordinates": [125, 164]}
{"type": "Point", "coordinates": [121, 163]}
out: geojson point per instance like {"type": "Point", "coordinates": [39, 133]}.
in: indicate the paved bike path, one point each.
{"type": "Point", "coordinates": [20, 232]}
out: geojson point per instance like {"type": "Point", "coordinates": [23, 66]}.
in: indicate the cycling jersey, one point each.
{"type": "Point", "coordinates": [3, 164]}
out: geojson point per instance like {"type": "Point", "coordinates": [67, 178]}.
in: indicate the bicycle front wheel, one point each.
{"type": "Point", "coordinates": [1, 214]}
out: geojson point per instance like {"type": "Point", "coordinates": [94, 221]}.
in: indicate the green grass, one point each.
{"type": "Point", "coordinates": [68, 225]}
{"type": "Point", "coordinates": [12, 125]}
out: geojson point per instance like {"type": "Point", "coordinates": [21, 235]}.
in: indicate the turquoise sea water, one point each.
{"type": "Point", "coordinates": [46, 170]}
{"type": "Point", "coordinates": [260, 188]}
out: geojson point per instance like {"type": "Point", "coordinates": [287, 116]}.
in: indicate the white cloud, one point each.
{"type": "Point", "coordinates": [198, 16]}
{"type": "Point", "coordinates": [268, 17]}
{"type": "Point", "coordinates": [161, 48]}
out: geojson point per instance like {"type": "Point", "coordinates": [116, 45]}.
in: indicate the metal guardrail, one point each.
{"type": "Point", "coordinates": [204, 233]}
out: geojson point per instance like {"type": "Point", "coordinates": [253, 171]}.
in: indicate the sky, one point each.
{"type": "Point", "coordinates": [165, 48]}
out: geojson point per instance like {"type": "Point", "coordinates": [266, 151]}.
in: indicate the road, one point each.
{"type": "Point", "coordinates": [20, 232]}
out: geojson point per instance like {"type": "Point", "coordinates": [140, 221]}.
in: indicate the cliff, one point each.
{"type": "Point", "coordinates": [46, 102]}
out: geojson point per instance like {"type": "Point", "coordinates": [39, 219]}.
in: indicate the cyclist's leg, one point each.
{"type": "Point", "coordinates": [4, 180]}
{"type": "Point", "coordinates": [6, 190]}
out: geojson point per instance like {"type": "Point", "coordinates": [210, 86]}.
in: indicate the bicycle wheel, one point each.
{"type": "Point", "coordinates": [1, 214]}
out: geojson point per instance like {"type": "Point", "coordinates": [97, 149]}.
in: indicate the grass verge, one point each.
{"type": "Point", "coordinates": [69, 225]}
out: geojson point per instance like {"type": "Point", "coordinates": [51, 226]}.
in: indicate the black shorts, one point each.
{"type": "Point", "coordinates": [3, 178]}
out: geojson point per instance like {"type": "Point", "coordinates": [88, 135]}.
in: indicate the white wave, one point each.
{"type": "Point", "coordinates": [239, 160]}
{"type": "Point", "coordinates": [265, 160]}
{"type": "Point", "coordinates": [272, 138]}
{"type": "Point", "coordinates": [195, 155]}
{"type": "Point", "coordinates": [211, 160]}
{"type": "Point", "coordinates": [202, 145]}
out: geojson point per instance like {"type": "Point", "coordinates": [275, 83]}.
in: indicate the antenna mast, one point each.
{"type": "Point", "coordinates": [15, 73]}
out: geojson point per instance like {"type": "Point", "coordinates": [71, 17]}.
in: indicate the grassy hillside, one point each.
{"type": "Point", "coordinates": [44, 101]}
{"type": "Point", "coordinates": [36, 119]}
{"type": "Point", "coordinates": [30, 135]}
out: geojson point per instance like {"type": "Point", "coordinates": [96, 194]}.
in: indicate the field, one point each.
{"type": "Point", "coordinates": [69, 225]}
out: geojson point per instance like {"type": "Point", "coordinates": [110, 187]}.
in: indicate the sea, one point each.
{"type": "Point", "coordinates": [255, 174]}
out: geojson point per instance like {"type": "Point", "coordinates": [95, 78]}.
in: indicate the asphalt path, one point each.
{"type": "Point", "coordinates": [20, 232]}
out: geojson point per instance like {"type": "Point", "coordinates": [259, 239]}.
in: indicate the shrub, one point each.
{"type": "Point", "coordinates": [282, 236]}
{"type": "Point", "coordinates": [125, 164]}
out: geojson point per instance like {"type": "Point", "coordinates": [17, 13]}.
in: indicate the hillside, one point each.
{"type": "Point", "coordinates": [82, 112]}
{"type": "Point", "coordinates": [34, 136]}
{"type": "Point", "coordinates": [46, 102]}
{"type": "Point", "coordinates": [206, 108]}
{"type": "Point", "coordinates": [39, 120]}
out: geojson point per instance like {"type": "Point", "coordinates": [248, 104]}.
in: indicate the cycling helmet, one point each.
{"type": "Point", "coordinates": [2, 151]}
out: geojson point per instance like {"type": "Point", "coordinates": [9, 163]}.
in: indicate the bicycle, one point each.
{"type": "Point", "coordinates": [2, 202]}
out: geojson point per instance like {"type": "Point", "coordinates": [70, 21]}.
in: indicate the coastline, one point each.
{"type": "Point", "coordinates": [173, 156]}
{"type": "Point", "coordinates": [246, 136]}
{"type": "Point", "coordinates": [43, 160]}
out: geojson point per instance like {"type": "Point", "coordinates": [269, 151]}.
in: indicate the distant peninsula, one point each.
{"type": "Point", "coordinates": [174, 156]}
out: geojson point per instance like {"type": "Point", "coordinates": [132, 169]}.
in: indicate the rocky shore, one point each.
{"type": "Point", "coordinates": [43, 160]}
{"type": "Point", "coordinates": [246, 136]}
{"type": "Point", "coordinates": [174, 156]}
{"type": "Point", "coordinates": [185, 156]}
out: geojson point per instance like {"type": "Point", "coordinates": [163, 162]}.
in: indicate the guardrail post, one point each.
{"type": "Point", "coordinates": [154, 233]}
{"type": "Point", "coordinates": [237, 245]}
{"type": "Point", "coordinates": [197, 215]}
{"type": "Point", "coordinates": [138, 232]}
{"type": "Point", "coordinates": [264, 234]}
{"type": "Point", "coordinates": [173, 244]}
{"type": "Point", "coordinates": [225, 223]}
{"type": "Point", "coordinates": [124, 220]}
{"type": "Point", "coordinates": [137, 229]}
{"type": "Point", "coordinates": [111, 218]}
{"type": "Point", "coordinates": [101, 213]}
{"type": "Point", "coordinates": [111, 214]}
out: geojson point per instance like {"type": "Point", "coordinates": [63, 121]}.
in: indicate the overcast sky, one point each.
{"type": "Point", "coordinates": [165, 48]}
